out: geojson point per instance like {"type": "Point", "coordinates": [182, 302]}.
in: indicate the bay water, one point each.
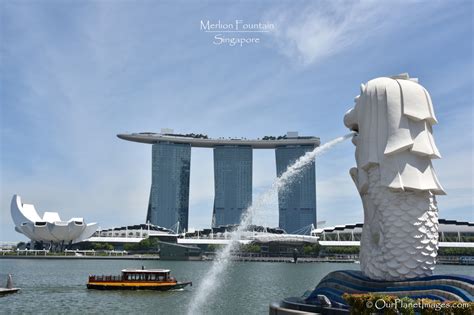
{"type": "Point", "coordinates": [58, 286]}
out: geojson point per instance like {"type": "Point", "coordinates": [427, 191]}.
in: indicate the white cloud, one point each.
{"type": "Point", "coordinates": [322, 30]}
{"type": "Point", "coordinates": [313, 32]}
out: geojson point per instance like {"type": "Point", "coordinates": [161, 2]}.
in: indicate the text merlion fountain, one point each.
{"type": "Point", "coordinates": [393, 118]}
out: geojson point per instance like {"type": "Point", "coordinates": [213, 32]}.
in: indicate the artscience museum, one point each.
{"type": "Point", "coordinates": [48, 228]}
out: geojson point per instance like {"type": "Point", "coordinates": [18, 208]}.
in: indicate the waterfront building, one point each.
{"type": "Point", "coordinates": [296, 201]}
{"type": "Point", "coordinates": [232, 182]}
{"type": "Point", "coordinates": [451, 234]}
{"type": "Point", "coordinates": [168, 205]}
{"type": "Point", "coordinates": [171, 155]}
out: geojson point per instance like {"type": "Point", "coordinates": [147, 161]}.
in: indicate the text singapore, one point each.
{"type": "Point", "coordinates": [219, 39]}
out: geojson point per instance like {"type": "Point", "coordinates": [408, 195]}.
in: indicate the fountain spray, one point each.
{"type": "Point", "coordinates": [212, 280]}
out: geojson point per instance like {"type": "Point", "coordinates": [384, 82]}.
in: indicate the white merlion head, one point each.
{"type": "Point", "coordinates": [393, 118]}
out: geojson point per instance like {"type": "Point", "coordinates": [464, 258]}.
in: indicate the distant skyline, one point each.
{"type": "Point", "coordinates": [75, 74]}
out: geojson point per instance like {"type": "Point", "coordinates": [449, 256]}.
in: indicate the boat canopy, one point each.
{"type": "Point", "coordinates": [145, 271]}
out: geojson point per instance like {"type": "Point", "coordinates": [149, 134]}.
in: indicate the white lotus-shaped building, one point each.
{"type": "Point", "coordinates": [48, 228]}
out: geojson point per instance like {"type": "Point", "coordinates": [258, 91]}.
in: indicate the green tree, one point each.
{"type": "Point", "coordinates": [212, 247]}
{"type": "Point", "coordinates": [455, 251]}
{"type": "Point", "coordinates": [311, 249]}
{"type": "Point", "coordinates": [250, 248]}
{"type": "Point", "coordinates": [101, 246]}
{"type": "Point", "coordinates": [148, 244]}
{"type": "Point", "coordinates": [348, 250]}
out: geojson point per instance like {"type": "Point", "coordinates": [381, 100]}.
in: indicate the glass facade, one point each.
{"type": "Point", "coordinates": [169, 195]}
{"type": "Point", "coordinates": [232, 183]}
{"type": "Point", "coordinates": [297, 202]}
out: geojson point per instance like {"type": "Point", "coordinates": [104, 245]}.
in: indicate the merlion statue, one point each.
{"type": "Point", "coordinates": [393, 119]}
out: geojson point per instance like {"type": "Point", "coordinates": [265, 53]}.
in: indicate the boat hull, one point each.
{"type": "Point", "coordinates": [138, 286]}
{"type": "Point", "coordinates": [4, 291]}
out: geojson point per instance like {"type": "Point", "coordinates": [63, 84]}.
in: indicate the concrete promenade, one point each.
{"type": "Point", "coordinates": [125, 257]}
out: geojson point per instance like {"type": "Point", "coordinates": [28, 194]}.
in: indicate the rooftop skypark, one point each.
{"type": "Point", "coordinates": [202, 140]}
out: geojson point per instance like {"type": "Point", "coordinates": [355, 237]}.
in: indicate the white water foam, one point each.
{"type": "Point", "coordinates": [212, 281]}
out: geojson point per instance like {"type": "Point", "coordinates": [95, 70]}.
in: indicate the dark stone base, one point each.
{"type": "Point", "coordinates": [326, 298]}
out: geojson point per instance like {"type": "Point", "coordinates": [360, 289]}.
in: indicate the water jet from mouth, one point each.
{"type": "Point", "coordinates": [212, 279]}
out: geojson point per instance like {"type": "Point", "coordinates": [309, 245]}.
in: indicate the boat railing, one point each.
{"type": "Point", "coordinates": [105, 278]}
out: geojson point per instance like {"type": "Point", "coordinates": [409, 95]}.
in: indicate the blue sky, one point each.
{"type": "Point", "coordinates": [74, 74]}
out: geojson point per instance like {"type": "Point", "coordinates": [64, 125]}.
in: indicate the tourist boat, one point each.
{"type": "Point", "coordinates": [137, 279]}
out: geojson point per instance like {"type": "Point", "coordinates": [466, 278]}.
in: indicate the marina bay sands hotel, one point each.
{"type": "Point", "coordinates": [171, 163]}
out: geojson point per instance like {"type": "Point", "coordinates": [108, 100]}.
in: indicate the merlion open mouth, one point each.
{"type": "Point", "coordinates": [350, 120]}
